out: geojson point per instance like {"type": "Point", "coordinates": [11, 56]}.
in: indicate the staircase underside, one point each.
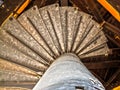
{"type": "Point", "coordinates": [30, 43]}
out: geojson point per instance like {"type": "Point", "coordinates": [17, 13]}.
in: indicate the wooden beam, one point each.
{"type": "Point", "coordinates": [94, 9]}
{"type": "Point", "coordinates": [115, 51]}
{"type": "Point", "coordinates": [99, 78]}
{"type": "Point", "coordinates": [80, 4]}
{"type": "Point", "coordinates": [113, 77]}
{"type": "Point", "coordinates": [21, 84]}
{"type": "Point", "coordinates": [112, 28]}
{"type": "Point", "coordinates": [113, 40]}
{"type": "Point", "coordinates": [112, 86]}
{"type": "Point", "coordinates": [103, 64]}
{"type": "Point", "coordinates": [106, 73]}
{"type": "Point", "coordinates": [110, 57]}
{"type": "Point", "coordinates": [63, 2]}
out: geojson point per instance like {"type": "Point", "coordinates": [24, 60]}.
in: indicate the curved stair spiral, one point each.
{"type": "Point", "coordinates": [30, 43]}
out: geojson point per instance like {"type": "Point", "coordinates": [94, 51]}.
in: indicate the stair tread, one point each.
{"type": "Point", "coordinates": [98, 42]}
{"type": "Point", "coordinates": [13, 42]}
{"type": "Point", "coordinates": [63, 16]}
{"type": "Point", "coordinates": [49, 23]}
{"type": "Point", "coordinates": [102, 50]}
{"type": "Point", "coordinates": [14, 28]}
{"type": "Point", "coordinates": [16, 56]}
{"type": "Point", "coordinates": [8, 75]}
{"type": "Point", "coordinates": [71, 21]}
{"type": "Point", "coordinates": [85, 19]}
{"type": "Point", "coordinates": [89, 34]}
{"type": "Point", "coordinates": [7, 65]}
{"type": "Point", "coordinates": [38, 36]}
{"type": "Point", "coordinates": [25, 20]}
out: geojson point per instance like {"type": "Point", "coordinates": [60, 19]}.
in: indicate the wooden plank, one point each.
{"type": "Point", "coordinates": [103, 64]}
{"type": "Point", "coordinates": [113, 77]}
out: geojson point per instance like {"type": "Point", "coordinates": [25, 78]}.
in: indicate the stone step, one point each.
{"type": "Point", "coordinates": [30, 43]}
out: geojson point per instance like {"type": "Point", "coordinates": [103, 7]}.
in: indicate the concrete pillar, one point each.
{"type": "Point", "coordinates": [68, 73]}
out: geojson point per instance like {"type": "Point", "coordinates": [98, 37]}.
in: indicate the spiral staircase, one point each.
{"type": "Point", "coordinates": [33, 41]}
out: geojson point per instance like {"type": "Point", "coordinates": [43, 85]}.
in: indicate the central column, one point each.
{"type": "Point", "coordinates": [68, 73]}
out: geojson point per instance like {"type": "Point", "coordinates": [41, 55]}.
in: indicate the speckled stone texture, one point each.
{"type": "Point", "coordinates": [33, 41]}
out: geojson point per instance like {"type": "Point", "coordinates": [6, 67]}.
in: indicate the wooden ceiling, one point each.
{"type": "Point", "coordinates": [105, 68]}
